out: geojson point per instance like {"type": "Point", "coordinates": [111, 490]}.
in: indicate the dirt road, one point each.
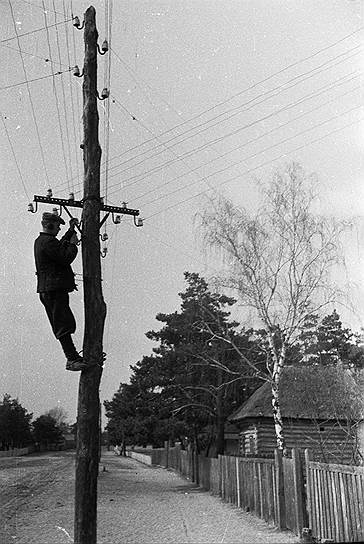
{"type": "Point", "coordinates": [137, 504]}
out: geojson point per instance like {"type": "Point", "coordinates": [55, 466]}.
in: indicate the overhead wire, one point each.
{"type": "Point", "coordinates": [178, 157]}
{"type": "Point", "coordinates": [249, 142]}
{"type": "Point", "coordinates": [33, 55]}
{"type": "Point", "coordinates": [30, 98]}
{"type": "Point", "coordinates": [64, 105]}
{"type": "Point", "coordinates": [266, 163]}
{"type": "Point", "coordinates": [72, 98]}
{"type": "Point", "coordinates": [56, 97]}
{"type": "Point", "coordinates": [38, 7]}
{"type": "Point", "coordinates": [257, 97]}
{"type": "Point", "coordinates": [107, 79]}
{"type": "Point", "coordinates": [33, 31]}
{"type": "Point", "coordinates": [15, 157]}
{"type": "Point", "coordinates": [279, 89]}
{"type": "Point", "coordinates": [260, 152]}
{"type": "Point", "coordinates": [309, 96]}
{"type": "Point", "coordinates": [203, 146]}
{"type": "Point", "coordinates": [170, 107]}
{"type": "Point", "coordinates": [33, 80]}
{"type": "Point", "coordinates": [106, 107]}
{"type": "Point", "coordinates": [79, 114]}
{"type": "Point", "coordinates": [250, 88]}
{"type": "Point", "coordinates": [137, 78]}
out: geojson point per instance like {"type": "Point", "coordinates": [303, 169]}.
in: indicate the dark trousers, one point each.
{"type": "Point", "coordinates": [61, 318]}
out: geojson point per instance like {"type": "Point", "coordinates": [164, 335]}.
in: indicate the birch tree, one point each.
{"type": "Point", "coordinates": [278, 261]}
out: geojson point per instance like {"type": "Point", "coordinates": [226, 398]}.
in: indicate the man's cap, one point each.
{"type": "Point", "coordinates": [50, 217]}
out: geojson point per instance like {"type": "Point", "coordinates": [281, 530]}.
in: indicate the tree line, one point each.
{"type": "Point", "coordinates": [278, 264]}
{"type": "Point", "coordinates": [19, 430]}
{"type": "Point", "coordinates": [205, 365]}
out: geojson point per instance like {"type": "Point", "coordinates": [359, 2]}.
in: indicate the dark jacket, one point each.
{"type": "Point", "coordinates": [53, 260]}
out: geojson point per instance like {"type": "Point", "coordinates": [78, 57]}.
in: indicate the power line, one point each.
{"type": "Point", "coordinates": [248, 89]}
{"type": "Point", "coordinates": [178, 157]}
{"type": "Point", "coordinates": [77, 93]}
{"type": "Point", "coordinates": [257, 167]}
{"type": "Point", "coordinates": [137, 78]}
{"type": "Point", "coordinates": [38, 7]}
{"type": "Point", "coordinates": [248, 142]}
{"type": "Point", "coordinates": [15, 159]}
{"type": "Point", "coordinates": [260, 152]}
{"type": "Point", "coordinates": [33, 31]}
{"type": "Point", "coordinates": [107, 79]}
{"type": "Point", "coordinates": [30, 54]}
{"type": "Point", "coordinates": [55, 94]}
{"type": "Point", "coordinates": [249, 125]}
{"type": "Point", "coordinates": [279, 89]}
{"type": "Point", "coordinates": [64, 109]}
{"type": "Point", "coordinates": [33, 80]}
{"type": "Point", "coordinates": [71, 94]}
{"type": "Point", "coordinates": [242, 105]}
{"type": "Point", "coordinates": [30, 98]}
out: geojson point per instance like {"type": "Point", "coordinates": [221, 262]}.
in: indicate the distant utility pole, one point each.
{"type": "Point", "coordinates": [87, 453]}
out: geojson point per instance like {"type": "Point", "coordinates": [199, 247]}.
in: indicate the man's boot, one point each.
{"type": "Point", "coordinates": [74, 360]}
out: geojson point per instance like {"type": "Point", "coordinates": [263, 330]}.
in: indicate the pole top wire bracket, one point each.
{"type": "Point", "coordinates": [115, 211]}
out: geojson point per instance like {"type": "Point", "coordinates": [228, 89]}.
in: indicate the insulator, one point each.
{"type": "Point", "coordinates": [117, 220]}
{"type": "Point", "coordinates": [104, 237]}
{"type": "Point", "coordinates": [49, 193]}
{"type": "Point", "coordinates": [71, 196]}
{"type": "Point", "coordinates": [76, 71]}
{"type": "Point", "coordinates": [105, 93]}
{"type": "Point", "coordinates": [76, 21]}
{"type": "Point", "coordinates": [82, 145]}
{"type": "Point", "coordinates": [55, 211]}
{"type": "Point", "coordinates": [139, 222]}
{"type": "Point", "coordinates": [105, 46]}
{"type": "Point", "coordinates": [104, 250]}
{"type": "Point", "coordinates": [30, 207]}
{"type": "Point", "coordinates": [123, 204]}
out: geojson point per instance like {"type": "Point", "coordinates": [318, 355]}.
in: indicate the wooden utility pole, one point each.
{"type": "Point", "coordinates": [89, 408]}
{"type": "Point", "coordinates": [87, 455]}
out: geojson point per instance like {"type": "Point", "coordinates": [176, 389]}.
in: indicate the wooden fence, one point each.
{"type": "Point", "coordinates": [249, 483]}
{"type": "Point", "coordinates": [335, 501]}
{"type": "Point", "coordinates": [291, 493]}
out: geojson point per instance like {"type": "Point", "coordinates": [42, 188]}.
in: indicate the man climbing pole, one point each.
{"type": "Point", "coordinates": [55, 280]}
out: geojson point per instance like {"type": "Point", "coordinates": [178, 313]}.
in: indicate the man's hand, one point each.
{"type": "Point", "coordinates": [73, 222]}
{"type": "Point", "coordinates": [74, 239]}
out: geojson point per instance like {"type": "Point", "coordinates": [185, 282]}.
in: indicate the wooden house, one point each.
{"type": "Point", "coordinates": [322, 408]}
{"type": "Point", "coordinates": [231, 439]}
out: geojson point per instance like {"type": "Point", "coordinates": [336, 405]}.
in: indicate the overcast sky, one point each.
{"type": "Point", "coordinates": [206, 96]}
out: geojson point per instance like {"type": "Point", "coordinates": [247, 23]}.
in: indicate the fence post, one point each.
{"type": "Point", "coordinates": [306, 533]}
{"type": "Point", "coordinates": [196, 468]}
{"type": "Point", "coordinates": [178, 448]}
{"type": "Point", "coordinates": [237, 480]}
{"type": "Point", "coordinates": [166, 447]}
{"type": "Point", "coordinates": [220, 476]}
{"type": "Point", "coordinates": [281, 506]}
{"type": "Point", "coordinates": [299, 498]}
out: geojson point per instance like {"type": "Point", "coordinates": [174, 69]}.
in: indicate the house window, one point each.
{"type": "Point", "coordinates": [322, 429]}
{"type": "Point", "coordinates": [250, 441]}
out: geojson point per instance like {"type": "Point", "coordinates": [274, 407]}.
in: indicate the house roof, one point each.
{"type": "Point", "coordinates": [309, 392]}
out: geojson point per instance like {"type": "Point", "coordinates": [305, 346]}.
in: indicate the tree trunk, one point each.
{"type": "Point", "coordinates": [278, 362]}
